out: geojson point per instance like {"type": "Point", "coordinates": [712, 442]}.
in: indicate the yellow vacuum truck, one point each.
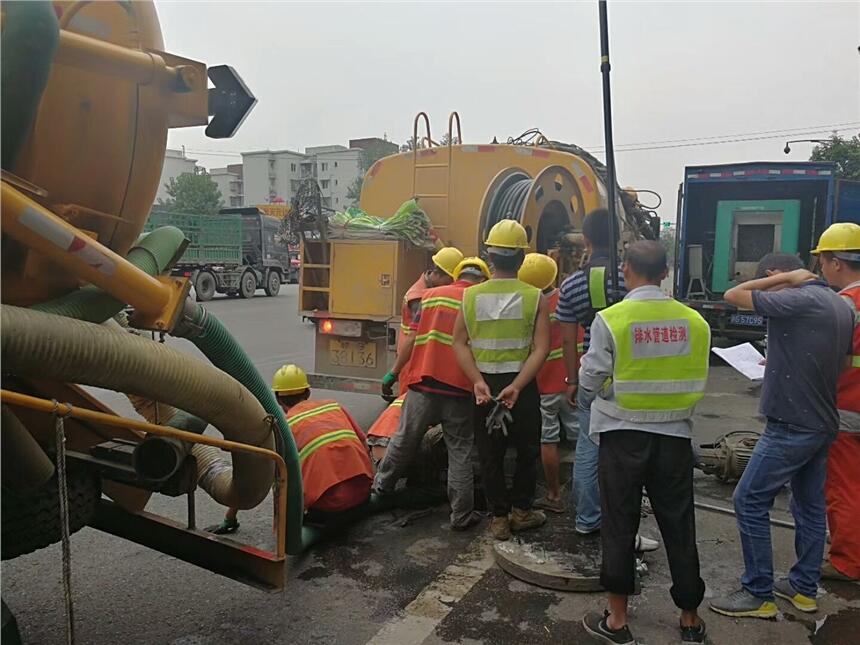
{"type": "Point", "coordinates": [88, 95]}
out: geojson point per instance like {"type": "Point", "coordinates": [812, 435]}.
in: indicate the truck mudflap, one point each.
{"type": "Point", "coordinates": [345, 384]}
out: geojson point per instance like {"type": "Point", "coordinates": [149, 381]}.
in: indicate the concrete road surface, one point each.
{"type": "Point", "coordinates": [394, 578]}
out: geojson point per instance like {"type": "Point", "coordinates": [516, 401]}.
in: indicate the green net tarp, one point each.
{"type": "Point", "coordinates": [408, 223]}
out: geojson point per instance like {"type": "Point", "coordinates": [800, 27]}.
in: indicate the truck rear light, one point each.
{"type": "Point", "coordinates": [350, 328]}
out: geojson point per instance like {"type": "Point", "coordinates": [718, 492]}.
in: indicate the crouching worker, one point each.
{"type": "Point", "coordinates": [336, 469]}
{"type": "Point", "coordinates": [383, 429]}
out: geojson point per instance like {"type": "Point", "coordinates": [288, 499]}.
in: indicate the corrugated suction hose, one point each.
{"type": "Point", "coordinates": [46, 346]}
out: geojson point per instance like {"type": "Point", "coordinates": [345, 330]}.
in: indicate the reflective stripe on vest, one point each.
{"type": "Point", "coordinates": [323, 439]}
{"type": "Point", "coordinates": [433, 354]}
{"type": "Point", "coordinates": [661, 360]}
{"type": "Point", "coordinates": [500, 317]}
{"type": "Point", "coordinates": [848, 386]}
{"type": "Point", "coordinates": [597, 287]}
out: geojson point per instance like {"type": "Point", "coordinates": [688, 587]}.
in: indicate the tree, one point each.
{"type": "Point", "coordinates": [444, 140]}
{"type": "Point", "coordinates": [193, 193]}
{"type": "Point", "coordinates": [366, 159]}
{"type": "Point", "coordinates": [844, 152]}
{"type": "Point", "coordinates": [667, 239]}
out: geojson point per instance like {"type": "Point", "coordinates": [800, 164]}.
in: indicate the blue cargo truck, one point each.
{"type": "Point", "coordinates": [729, 216]}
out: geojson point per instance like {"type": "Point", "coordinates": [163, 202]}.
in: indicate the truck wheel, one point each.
{"type": "Point", "coordinates": [247, 285]}
{"type": "Point", "coordinates": [204, 286]}
{"type": "Point", "coordinates": [273, 284]}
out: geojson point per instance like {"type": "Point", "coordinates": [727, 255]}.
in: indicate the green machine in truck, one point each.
{"type": "Point", "coordinates": [235, 252]}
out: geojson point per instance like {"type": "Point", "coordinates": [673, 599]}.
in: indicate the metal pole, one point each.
{"type": "Point", "coordinates": [610, 152]}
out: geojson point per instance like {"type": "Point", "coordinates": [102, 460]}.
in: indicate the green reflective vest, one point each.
{"type": "Point", "coordinates": [661, 360]}
{"type": "Point", "coordinates": [500, 319]}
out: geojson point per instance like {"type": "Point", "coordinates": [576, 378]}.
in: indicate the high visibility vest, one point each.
{"type": "Point", "coordinates": [387, 422]}
{"type": "Point", "coordinates": [415, 292]}
{"type": "Point", "coordinates": [550, 379]}
{"type": "Point", "coordinates": [500, 319]}
{"type": "Point", "coordinates": [848, 386]}
{"type": "Point", "coordinates": [661, 360]}
{"type": "Point", "coordinates": [433, 354]}
{"type": "Point", "coordinates": [330, 451]}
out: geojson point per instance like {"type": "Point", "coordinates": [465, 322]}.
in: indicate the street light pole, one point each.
{"type": "Point", "coordinates": [611, 184]}
{"type": "Point", "coordinates": [787, 148]}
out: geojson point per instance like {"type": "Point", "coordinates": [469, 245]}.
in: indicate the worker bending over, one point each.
{"type": "Point", "coordinates": [336, 471]}
{"type": "Point", "coordinates": [839, 253]}
{"type": "Point", "coordinates": [380, 433]}
{"type": "Point", "coordinates": [501, 338]}
{"type": "Point", "coordinates": [444, 262]}
{"type": "Point", "coordinates": [439, 392]}
{"type": "Point", "coordinates": [644, 372]}
{"type": "Point", "coordinates": [557, 412]}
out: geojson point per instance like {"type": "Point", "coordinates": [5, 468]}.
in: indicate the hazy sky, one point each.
{"type": "Point", "coordinates": [328, 72]}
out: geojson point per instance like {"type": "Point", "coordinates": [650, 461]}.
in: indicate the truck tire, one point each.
{"type": "Point", "coordinates": [273, 283]}
{"type": "Point", "coordinates": [247, 284]}
{"type": "Point", "coordinates": [204, 286]}
{"type": "Point", "coordinates": [31, 520]}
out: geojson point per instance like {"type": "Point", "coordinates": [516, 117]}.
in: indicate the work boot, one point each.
{"type": "Point", "coordinates": [522, 520]}
{"type": "Point", "coordinates": [783, 589]}
{"type": "Point", "coordinates": [500, 527]}
{"type": "Point", "coordinates": [553, 505]}
{"type": "Point", "coordinates": [470, 521]}
{"type": "Point", "coordinates": [742, 604]}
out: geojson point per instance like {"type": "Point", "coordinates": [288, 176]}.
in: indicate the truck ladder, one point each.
{"type": "Point", "coordinates": [424, 172]}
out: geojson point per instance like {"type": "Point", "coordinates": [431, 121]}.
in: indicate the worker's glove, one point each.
{"type": "Point", "coordinates": [388, 382]}
{"type": "Point", "coordinates": [499, 418]}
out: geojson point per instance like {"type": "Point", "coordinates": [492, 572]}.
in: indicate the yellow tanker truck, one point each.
{"type": "Point", "coordinates": [352, 289]}
{"type": "Point", "coordinates": [88, 95]}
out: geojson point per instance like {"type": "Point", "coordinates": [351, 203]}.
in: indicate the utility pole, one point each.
{"type": "Point", "coordinates": [611, 183]}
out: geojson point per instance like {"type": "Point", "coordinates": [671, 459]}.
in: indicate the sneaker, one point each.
{"type": "Point", "coordinates": [643, 544]}
{"type": "Point", "coordinates": [742, 603]}
{"type": "Point", "coordinates": [471, 520]}
{"type": "Point", "coordinates": [226, 527]}
{"type": "Point", "coordinates": [522, 520]}
{"type": "Point", "coordinates": [829, 572]}
{"type": "Point", "coordinates": [595, 624]}
{"type": "Point", "coordinates": [783, 589]}
{"type": "Point", "coordinates": [500, 528]}
{"type": "Point", "coordinates": [694, 634]}
{"type": "Point", "coordinates": [552, 505]}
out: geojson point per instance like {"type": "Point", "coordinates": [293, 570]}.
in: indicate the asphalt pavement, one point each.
{"type": "Point", "coordinates": [399, 577]}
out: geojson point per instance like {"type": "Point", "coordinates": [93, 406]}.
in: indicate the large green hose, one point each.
{"type": "Point", "coordinates": [212, 338]}
{"type": "Point", "coordinates": [30, 37]}
{"type": "Point", "coordinates": [153, 253]}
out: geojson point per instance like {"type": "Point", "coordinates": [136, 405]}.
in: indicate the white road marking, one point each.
{"type": "Point", "coordinates": [430, 607]}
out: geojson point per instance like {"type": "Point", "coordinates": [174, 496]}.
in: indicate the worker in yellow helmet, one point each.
{"type": "Point", "coordinates": [439, 393]}
{"type": "Point", "coordinates": [557, 412]}
{"type": "Point", "coordinates": [445, 260]}
{"type": "Point", "coordinates": [336, 468]}
{"type": "Point", "coordinates": [501, 339]}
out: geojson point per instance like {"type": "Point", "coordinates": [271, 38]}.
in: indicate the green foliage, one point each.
{"type": "Point", "coordinates": [667, 239]}
{"type": "Point", "coordinates": [844, 152]}
{"type": "Point", "coordinates": [195, 194]}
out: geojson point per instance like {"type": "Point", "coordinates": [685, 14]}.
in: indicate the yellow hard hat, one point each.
{"type": "Point", "coordinates": [843, 236]}
{"type": "Point", "coordinates": [538, 270]}
{"type": "Point", "coordinates": [472, 263]}
{"type": "Point", "coordinates": [508, 234]}
{"type": "Point", "coordinates": [290, 379]}
{"type": "Point", "coordinates": [447, 259]}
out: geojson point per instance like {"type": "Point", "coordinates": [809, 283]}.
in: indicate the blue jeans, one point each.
{"type": "Point", "coordinates": [785, 454]}
{"type": "Point", "coordinates": [586, 492]}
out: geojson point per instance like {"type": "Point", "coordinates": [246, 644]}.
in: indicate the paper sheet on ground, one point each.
{"type": "Point", "coordinates": [745, 358]}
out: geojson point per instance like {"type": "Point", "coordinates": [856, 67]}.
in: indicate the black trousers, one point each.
{"type": "Point", "coordinates": [524, 434]}
{"type": "Point", "coordinates": [629, 460]}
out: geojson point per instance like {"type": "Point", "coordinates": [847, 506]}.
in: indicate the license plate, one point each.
{"type": "Point", "coordinates": [351, 353]}
{"type": "Point", "coordinates": [748, 320]}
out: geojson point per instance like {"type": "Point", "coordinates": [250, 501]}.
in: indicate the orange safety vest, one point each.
{"type": "Point", "coordinates": [331, 451]}
{"type": "Point", "coordinates": [848, 386]}
{"type": "Point", "coordinates": [550, 379]}
{"type": "Point", "coordinates": [415, 292]}
{"type": "Point", "coordinates": [433, 354]}
{"type": "Point", "coordinates": [386, 424]}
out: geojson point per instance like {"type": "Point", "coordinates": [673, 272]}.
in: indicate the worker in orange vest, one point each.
{"type": "Point", "coordinates": [445, 260]}
{"type": "Point", "coordinates": [383, 429]}
{"type": "Point", "coordinates": [336, 471]}
{"type": "Point", "coordinates": [557, 412]}
{"type": "Point", "coordinates": [439, 392]}
{"type": "Point", "coordinates": [839, 253]}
